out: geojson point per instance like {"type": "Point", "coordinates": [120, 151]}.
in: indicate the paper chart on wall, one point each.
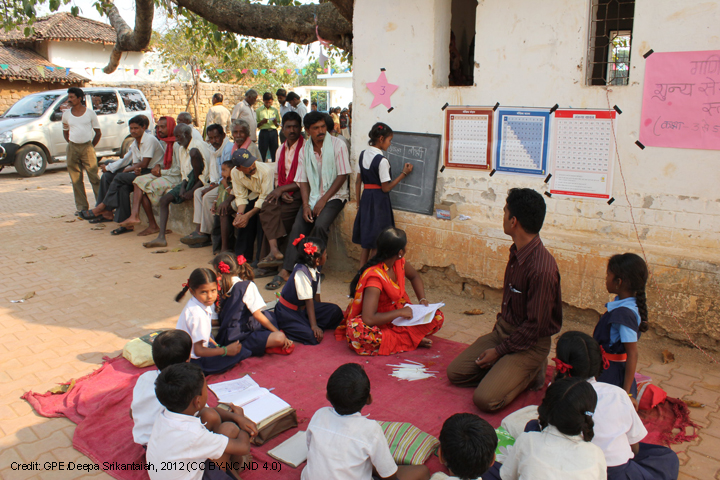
{"type": "Point", "coordinates": [522, 140]}
{"type": "Point", "coordinates": [583, 153]}
{"type": "Point", "coordinates": [468, 137]}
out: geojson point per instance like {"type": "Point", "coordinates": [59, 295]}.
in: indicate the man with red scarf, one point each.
{"type": "Point", "coordinates": [282, 205]}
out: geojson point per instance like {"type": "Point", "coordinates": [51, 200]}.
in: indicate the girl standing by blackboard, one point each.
{"type": "Point", "coordinates": [374, 211]}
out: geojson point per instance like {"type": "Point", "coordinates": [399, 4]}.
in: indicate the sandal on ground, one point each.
{"type": "Point", "coordinates": [265, 272]}
{"type": "Point", "coordinates": [100, 219]}
{"type": "Point", "coordinates": [87, 215]}
{"type": "Point", "coordinates": [120, 231]}
{"type": "Point", "coordinates": [195, 238]}
{"type": "Point", "coordinates": [276, 283]}
{"type": "Point", "coordinates": [270, 262]}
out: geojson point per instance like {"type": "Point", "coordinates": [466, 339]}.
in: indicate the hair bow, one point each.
{"type": "Point", "coordinates": [561, 366]}
{"type": "Point", "coordinates": [185, 285]}
{"type": "Point", "coordinates": [298, 240]}
{"type": "Point", "coordinates": [310, 249]}
{"type": "Point", "coordinates": [605, 360]}
{"type": "Point", "coordinates": [589, 414]}
{"type": "Point", "coordinates": [241, 259]}
{"type": "Point", "coordinates": [223, 267]}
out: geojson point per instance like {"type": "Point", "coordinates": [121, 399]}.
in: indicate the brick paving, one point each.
{"type": "Point", "coordinates": [94, 292]}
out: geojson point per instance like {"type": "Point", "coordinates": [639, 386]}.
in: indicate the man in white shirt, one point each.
{"type": "Point", "coordinates": [187, 119]}
{"type": "Point", "coordinates": [117, 182]}
{"type": "Point", "coordinates": [281, 95]}
{"type": "Point", "coordinates": [217, 114]}
{"type": "Point", "coordinates": [324, 191]}
{"type": "Point", "coordinates": [294, 101]}
{"type": "Point", "coordinates": [81, 130]}
{"type": "Point", "coordinates": [244, 111]}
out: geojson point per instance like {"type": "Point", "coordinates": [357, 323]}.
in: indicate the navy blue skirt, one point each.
{"type": "Point", "coordinates": [296, 324]}
{"type": "Point", "coordinates": [219, 364]}
{"type": "Point", "coordinates": [615, 375]}
{"type": "Point", "coordinates": [374, 215]}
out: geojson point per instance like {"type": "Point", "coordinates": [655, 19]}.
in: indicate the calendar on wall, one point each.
{"type": "Point", "coordinates": [468, 137]}
{"type": "Point", "coordinates": [583, 153]}
{"type": "Point", "coordinates": [522, 140]}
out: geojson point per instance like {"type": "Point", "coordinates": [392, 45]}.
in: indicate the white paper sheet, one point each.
{"type": "Point", "coordinates": [233, 386]}
{"type": "Point", "coordinates": [257, 402]}
{"type": "Point", "coordinates": [264, 407]}
{"type": "Point", "coordinates": [421, 315]}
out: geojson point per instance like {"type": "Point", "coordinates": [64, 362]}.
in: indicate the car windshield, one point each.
{"type": "Point", "coordinates": [31, 106]}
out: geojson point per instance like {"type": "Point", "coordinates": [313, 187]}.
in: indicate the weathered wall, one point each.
{"type": "Point", "coordinates": [172, 98]}
{"type": "Point", "coordinates": [533, 54]}
{"type": "Point", "coordinates": [12, 91]}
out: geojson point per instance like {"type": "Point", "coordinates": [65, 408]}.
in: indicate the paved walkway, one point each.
{"type": "Point", "coordinates": [94, 292]}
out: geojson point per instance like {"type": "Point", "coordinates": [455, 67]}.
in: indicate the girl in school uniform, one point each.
{"type": "Point", "coordinates": [374, 211]}
{"type": "Point", "coordinates": [563, 448]}
{"type": "Point", "coordinates": [619, 329]}
{"type": "Point", "coordinates": [299, 311]}
{"type": "Point", "coordinates": [240, 310]}
{"type": "Point", "coordinates": [618, 428]}
{"type": "Point", "coordinates": [195, 319]}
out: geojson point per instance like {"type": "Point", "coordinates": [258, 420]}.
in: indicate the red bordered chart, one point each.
{"type": "Point", "coordinates": [468, 137]}
{"type": "Point", "coordinates": [583, 153]}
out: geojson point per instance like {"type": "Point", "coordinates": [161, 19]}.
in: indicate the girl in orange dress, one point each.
{"type": "Point", "coordinates": [379, 297]}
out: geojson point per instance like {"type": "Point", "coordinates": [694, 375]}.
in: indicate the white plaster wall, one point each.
{"type": "Point", "coordinates": [533, 53]}
{"type": "Point", "coordinates": [83, 57]}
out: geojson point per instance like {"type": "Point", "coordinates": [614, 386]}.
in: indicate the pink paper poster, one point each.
{"type": "Point", "coordinates": [681, 100]}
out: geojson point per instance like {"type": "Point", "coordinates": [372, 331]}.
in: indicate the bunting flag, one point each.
{"type": "Point", "coordinates": [176, 70]}
{"type": "Point", "coordinates": [220, 70]}
{"type": "Point", "coordinates": [263, 71]}
{"type": "Point", "coordinates": [4, 66]}
{"type": "Point", "coordinates": [67, 72]}
{"type": "Point", "coordinates": [150, 71]}
{"type": "Point", "coordinates": [135, 71]}
{"type": "Point", "coordinates": [42, 71]}
{"type": "Point", "coordinates": [184, 68]}
{"type": "Point", "coordinates": [127, 70]}
{"type": "Point", "coordinates": [255, 71]}
{"type": "Point", "coordinates": [323, 58]}
{"type": "Point", "coordinates": [244, 71]}
{"type": "Point", "coordinates": [50, 68]}
{"type": "Point", "coordinates": [93, 71]}
{"type": "Point", "coordinates": [290, 70]}
{"type": "Point", "coordinates": [304, 70]}
{"type": "Point", "coordinates": [272, 70]}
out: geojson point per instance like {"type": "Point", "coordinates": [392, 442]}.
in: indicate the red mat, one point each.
{"type": "Point", "coordinates": [100, 402]}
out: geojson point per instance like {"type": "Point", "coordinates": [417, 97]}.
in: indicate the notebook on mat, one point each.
{"type": "Point", "coordinates": [293, 451]}
{"type": "Point", "coordinates": [259, 404]}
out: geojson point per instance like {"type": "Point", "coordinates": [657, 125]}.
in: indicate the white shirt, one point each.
{"type": "Point", "coordinates": [303, 285]}
{"type": "Point", "coordinates": [550, 455]}
{"type": "Point", "coordinates": [218, 114]}
{"type": "Point", "coordinates": [301, 110]}
{"type": "Point", "coordinates": [244, 111]}
{"type": "Point", "coordinates": [178, 438]}
{"type": "Point", "coordinates": [342, 159]}
{"type": "Point", "coordinates": [82, 128]}
{"type": "Point", "coordinates": [252, 298]}
{"type": "Point", "coordinates": [617, 424]}
{"type": "Point", "coordinates": [150, 147]}
{"type": "Point", "coordinates": [442, 476]}
{"type": "Point", "coordinates": [346, 447]}
{"type": "Point", "coordinates": [383, 169]}
{"type": "Point", "coordinates": [186, 163]}
{"type": "Point", "coordinates": [145, 406]}
{"type": "Point", "coordinates": [215, 167]}
{"type": "Point", "coordinates": [285, 108]}
{"type": "Point", "coordinates": [195, 319]}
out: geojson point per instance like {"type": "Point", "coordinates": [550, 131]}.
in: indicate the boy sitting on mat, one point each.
{"type": "Point", "coordinates": [344, 444]}
{"type": "Point", "coordinates": [467, 449]}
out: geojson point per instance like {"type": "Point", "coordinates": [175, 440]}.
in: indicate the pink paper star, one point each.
{"type": "Point", "coordinates": [382, 91]}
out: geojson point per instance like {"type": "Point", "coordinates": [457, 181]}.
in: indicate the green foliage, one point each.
{"type": "Point", "coordinates": [313, 69]}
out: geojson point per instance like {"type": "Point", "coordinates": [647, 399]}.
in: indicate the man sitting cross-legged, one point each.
{"type": "Point", "coordinates": [282, 205]}
{"type": "Point", "coordinates": [148, 189]}
{"type": "Point", "coordinates": [116, 184]}
{"type": "Point", "coordinates": [192, 155]}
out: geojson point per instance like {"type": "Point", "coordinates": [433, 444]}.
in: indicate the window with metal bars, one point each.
{"type": "Point", "coordinates": [609, 45]}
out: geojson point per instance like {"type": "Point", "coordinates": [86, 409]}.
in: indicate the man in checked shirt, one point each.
{"type": "Point", "coordinates": [513, 357]}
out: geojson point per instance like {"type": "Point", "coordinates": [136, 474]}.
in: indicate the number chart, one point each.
{"type": "Point", "coordinates": [468, 137]}
{"type": "Point", "coordinates": [583, 153]}
{"type": "Point", "coordinates": [522, 140]}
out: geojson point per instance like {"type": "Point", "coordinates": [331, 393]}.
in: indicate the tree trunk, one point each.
{"type": "Point", "coordinates": [129, 40]}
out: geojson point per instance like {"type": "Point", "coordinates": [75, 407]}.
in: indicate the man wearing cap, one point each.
{"type": "Point", "coordinates": [252, 182]}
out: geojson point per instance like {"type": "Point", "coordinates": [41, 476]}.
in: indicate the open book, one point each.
{"type": "Point", "coordinates": [421, 315]}
{"type": "Point", "coordinates": [259, 404]}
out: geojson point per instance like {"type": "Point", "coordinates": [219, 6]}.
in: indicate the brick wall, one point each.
{"type": "Point", "coordinates": [172, 98]}
{"type": "Point", "coordinates": [12, 91]}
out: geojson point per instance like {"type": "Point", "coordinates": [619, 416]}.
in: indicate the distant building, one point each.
{"type": "Point", "coordinates": [337, 93]}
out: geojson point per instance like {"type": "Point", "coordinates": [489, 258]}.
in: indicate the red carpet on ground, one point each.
{"type": "Point", "coordinates": [100, 402]}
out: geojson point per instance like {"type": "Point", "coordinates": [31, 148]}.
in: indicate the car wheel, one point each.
{"type": "Point", "coordinates": [126, 146]}
{"type": "Point", "coordinates": [30, 161]}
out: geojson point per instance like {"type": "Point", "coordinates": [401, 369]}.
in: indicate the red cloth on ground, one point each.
{"type": "Point", "coordinates": [393, 296]}
{"type": "Point", "coordinates": [670, 420]}
{"type": "Point", "coordinates": [169, 141]}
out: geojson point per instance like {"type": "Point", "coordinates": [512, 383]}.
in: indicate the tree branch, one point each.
{"type": "Point", "coordinates": [294, 24]}
{"type": "Point", "coordinates": [129, 40]}
{"type": "Point", "coordinates": [345, 8]}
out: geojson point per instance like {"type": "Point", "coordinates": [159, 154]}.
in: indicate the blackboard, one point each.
{"type": "Point", "coordinates": [416, 192]}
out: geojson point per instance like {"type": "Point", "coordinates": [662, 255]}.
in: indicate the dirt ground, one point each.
{"type": "Point", "coordinates": [94, 292]}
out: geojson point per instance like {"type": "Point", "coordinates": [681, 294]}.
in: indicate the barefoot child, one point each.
{"type": "Point", "coordinates": [196, 320]}
{"type": "Point", "coordinates": [563, 449]}
{"type": "Point", "coordinates": [374, 211]}
{"type": "Point", "coordinates": [343, 444]}
{"type": "Point", "coordinates": [467, 448]}
{"type": "Point", "coordinates": [241, 310]}
{"type": "Point", "coordinates": [300, 313]}
{"type": "Point", "coordinates": [193, 441]}
{"type": "Point", "coordinates": [379, 297]}
{"type": "Point", "coordinates": [223, 209]}
{"type": "Point", "coordinates": [619, 329]}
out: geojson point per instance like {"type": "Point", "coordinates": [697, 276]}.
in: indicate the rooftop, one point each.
{"type": "Point", "coordinates": [63, 27]}
{"type": "Point", "coordinates": [25, 64]}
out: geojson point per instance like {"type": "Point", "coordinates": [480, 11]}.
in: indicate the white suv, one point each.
{"type": "Point", "coordinates": [31, 134]}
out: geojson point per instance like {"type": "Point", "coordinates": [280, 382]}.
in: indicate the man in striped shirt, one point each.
{"type": "Point", "coordinates": [322, 174]}
{"type": "Point", "coordinates": [513, 357]}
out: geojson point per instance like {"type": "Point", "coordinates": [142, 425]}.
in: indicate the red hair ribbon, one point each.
{"type": "Point", "coordinates": [310, 249]}
{"type": "Point", "coordinates": [241, 259]}
{"type": "Point", "coordinates": [561, 366]}
{"type": "Point", "coordinates": [606, 362]}
{"type": "Point", "coordinates": [223, 267]}
{"type": "Point", "coordinates": [185, 285]}
{"type": "Point", "coordinates": [297, 240]}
